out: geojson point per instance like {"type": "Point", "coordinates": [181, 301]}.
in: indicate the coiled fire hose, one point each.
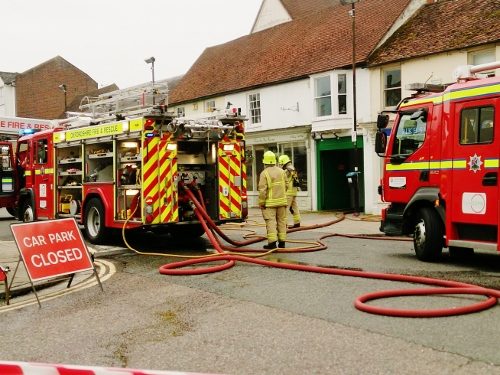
{"type": "Point", "coordinates": [444, 287]}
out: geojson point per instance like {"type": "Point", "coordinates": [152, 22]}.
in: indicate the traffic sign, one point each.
{"type": "Point", "coordinates": [51, 248]}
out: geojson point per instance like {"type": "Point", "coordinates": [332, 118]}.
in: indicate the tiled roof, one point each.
{"type": "Point", "coordinates": [443, 26]}
{"type": "Point", "coordinates": [300, 8]}
{"type": "Point", "coordinates": [318, 42]}
{"type": "Point", "coordinates": [7, 77]}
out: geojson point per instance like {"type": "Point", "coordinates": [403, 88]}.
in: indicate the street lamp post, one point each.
{"type": "Point", "coordinates": [151, 61]}
{"type": "Point", "coordinates": [62, 87]}
{"type": "Point", "coordinates": [352, 13]}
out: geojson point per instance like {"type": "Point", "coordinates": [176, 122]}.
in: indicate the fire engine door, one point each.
{"type": "Point", "coordinates": [43, 169]}
{"type": "Point", "coordinates": [475, 164]}
{"type": "Point", "coordinates": [159, 181]}
{"type": "Point", "coordinates": [230, 180]}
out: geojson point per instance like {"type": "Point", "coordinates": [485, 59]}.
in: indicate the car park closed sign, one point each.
{"type": "Point", "coordinates": [51, 248]}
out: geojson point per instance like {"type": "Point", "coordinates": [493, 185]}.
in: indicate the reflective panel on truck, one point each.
{"type": "Point", "coordinates": [159, 180]}
{"type": "Point", "coordinates": [231, 186]}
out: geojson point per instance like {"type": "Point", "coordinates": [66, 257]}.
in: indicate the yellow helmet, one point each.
{"type": "Point", "coordinates": [284, 159]}
{"type": "Point", "coordinates": [269, 158]}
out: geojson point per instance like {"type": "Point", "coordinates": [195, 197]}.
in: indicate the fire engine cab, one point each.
{"type": "Point", "coordinates": [441, 165]}
{"type": "Point", "coordinates": [133, 172]}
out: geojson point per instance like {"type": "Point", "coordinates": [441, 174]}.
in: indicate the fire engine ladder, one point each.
{"type": "Point", "coordinates": [136, 100]}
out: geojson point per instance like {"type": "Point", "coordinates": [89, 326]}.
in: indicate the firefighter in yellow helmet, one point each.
{"type": "Point", "coordinates": [292, 186]}
{"type": "Point", "coordinates": [272, 201]}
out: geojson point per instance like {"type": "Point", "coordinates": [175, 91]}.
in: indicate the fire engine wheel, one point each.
{"type": "Point", "coordinates": [28, 215]}
{"type": "Point", "coordinates": [428, 235]}
{"type": "Point", "coordinates": [95, 229]}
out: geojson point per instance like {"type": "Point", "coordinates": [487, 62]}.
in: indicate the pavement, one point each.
{"type": "Point", "coordinates": [19, 282]}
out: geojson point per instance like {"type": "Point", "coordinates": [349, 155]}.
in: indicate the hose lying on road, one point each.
{"type": "Point", "coordinates": [230, 259]}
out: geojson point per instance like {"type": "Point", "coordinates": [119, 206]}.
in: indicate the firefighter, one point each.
{"type": "Point", "coordinates": [292, 188]}
{"type": "Point", "coordinates": [272, 201]}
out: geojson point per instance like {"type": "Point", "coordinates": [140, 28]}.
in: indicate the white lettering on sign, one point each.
{"type": "Point", "coordinates": [34, 241]}
{"type": "Point", "coordinates": [55, 257]}
{"type": "Point", "coordinates": [474, 203]}
{"type": "Point", "coordinates": [61, 237]}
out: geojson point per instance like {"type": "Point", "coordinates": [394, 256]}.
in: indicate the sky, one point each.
{"type": "Point", "coordinates": [110, 39]}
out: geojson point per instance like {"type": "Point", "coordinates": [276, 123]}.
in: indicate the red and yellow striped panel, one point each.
{"type": "Point", "coordinates": [150, 185]}
{"type": "Point", "coordinates": [169, 208]}
{"type": "Point", "coordinates": [230, 181]}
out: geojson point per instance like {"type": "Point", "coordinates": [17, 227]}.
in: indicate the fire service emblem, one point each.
{"type": "Point", "coordinates": [475, 163]}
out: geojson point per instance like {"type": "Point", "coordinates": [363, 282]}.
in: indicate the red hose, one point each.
{"type": "Point", "coordinates": [447, 287]}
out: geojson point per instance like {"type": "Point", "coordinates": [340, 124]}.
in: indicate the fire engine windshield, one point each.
{"type": "Point", "coordinates": [410, 133]}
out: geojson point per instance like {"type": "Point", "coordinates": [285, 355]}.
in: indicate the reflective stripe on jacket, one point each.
{"type": "Point", "coordinates": [272, 187]}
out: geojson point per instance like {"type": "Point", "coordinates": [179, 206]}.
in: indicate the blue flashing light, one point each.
{"type": "Point", "coordinates": [26, 131]}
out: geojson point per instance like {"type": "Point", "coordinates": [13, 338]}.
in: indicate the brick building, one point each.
{"type": "Point", "coordinates": [38, 91]}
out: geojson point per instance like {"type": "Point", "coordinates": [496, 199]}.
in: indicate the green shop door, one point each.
{"type": "Point", "coordinates": [336, 157]}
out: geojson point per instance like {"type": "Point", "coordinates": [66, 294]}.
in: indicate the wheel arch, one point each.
{"type": "Point", "coordinates": [424, 197]}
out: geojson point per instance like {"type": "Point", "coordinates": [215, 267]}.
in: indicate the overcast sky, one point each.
{"type": "Point", "coordinates": [109, 39]}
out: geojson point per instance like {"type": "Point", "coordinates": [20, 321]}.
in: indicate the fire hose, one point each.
{"type": "Point", "coordinates": [443, 287]}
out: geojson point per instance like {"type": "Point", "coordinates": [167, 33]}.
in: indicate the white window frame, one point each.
{"type": "Point", "coordinates": [319, 97]}
{"type": "Point", "coordinates": [254, 108]}
{"type": "Point", "coordinates": [385, 89]}
{"type": "Point", "coordinates": [181, 112]}
{"type": "Point", "coordinates": [209, 105]}
{"type": "Point", "coordinates": [334, 95]}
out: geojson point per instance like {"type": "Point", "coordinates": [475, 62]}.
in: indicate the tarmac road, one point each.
{"type": "Point", "coordinates": [259, 320]}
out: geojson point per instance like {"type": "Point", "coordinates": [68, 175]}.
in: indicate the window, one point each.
{"type": "Point", "coordinates": [297, 152]}
{"type": "Point", "coordinates": [323, 96]}
{"type": "Point", "coordinates": [410, 133]}
{"type": "Point", "coordinates": [254, 105]}
{"type": "Point", "coordinates": [41, 151]}
{"type": "Point", "coordinates": [181, 112]}
{"type": "Point", "coordinates": [210, 106]}
{"type": "Point", "coordinates": [392, 87]}
{"type": "Point", "coordinates": [476, 125]}
{"type": "Point", "coordinates": [482, 57]}
{"type": "Point", "coordinates": [342, 94]}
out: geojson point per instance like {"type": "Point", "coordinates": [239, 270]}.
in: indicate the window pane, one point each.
{"type": "Point", "coordinates": [322, 86]}
{"type": "Point", "coordinates": [410, 134]}
{"type": "Point", "coordinates": [342, 104]}
{"type": "Point", "coordinates": [476, 125]}
{"type": "Point", "coordinates": [300, 163]}
{"type": "Point", "coordinates": [254, 105]}
{"type": "Point", "coordinates": [392, 78]}
{"type": "Point", "coordinates": [323, 106]}
{"type": "Point", "coordinates": [392, 97]}
{"type": "Point", "coordinates": [342, 84]}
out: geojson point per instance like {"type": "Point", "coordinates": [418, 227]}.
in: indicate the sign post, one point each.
{"type": "Point", "coordinates": [52, 248]}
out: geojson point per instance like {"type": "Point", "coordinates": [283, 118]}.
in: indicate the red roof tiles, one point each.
{"type": "Point", "coordinates": [318, 42]}
{"type": "Point", "coordinates": [443, 26]}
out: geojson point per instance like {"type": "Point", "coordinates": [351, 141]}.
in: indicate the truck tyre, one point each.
{"type": "Point", "coordinates": [27, 213]}
{"type": "Point", "coordinates": [95, 229]}
{"type": "Point", "coordinates": [428, 235]}
{"type": "Point", "coordinates": [12, 211]}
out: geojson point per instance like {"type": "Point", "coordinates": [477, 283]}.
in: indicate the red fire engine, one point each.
{"type": "Point", "coordinates": [441, 166]}
{"type": "Point", "coordinates": [9, 133]}
{"type": "Point", "coordinates": [133, 172]}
